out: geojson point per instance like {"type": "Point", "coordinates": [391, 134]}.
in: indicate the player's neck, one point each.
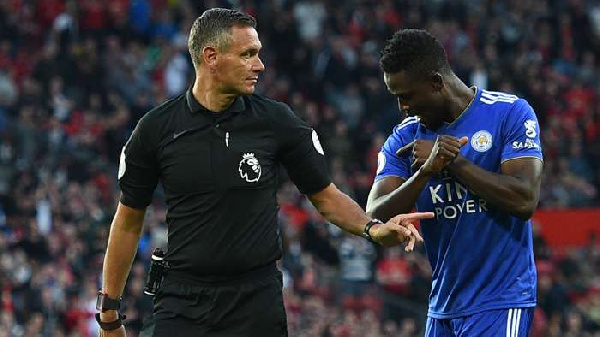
{"type": "Point", "coordinates": [460, 99]}
{"type": "Point", "coordinates": [207, 93]}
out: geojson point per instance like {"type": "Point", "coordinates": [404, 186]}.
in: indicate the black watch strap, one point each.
{"type": "Point", "coordinates": [105, 303]}
{"type": "Point", "coordinates": [107, 326]}
{"type": "Point", "coordinates": [366, 234]}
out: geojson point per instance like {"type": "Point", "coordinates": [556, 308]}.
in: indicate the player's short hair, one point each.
{"type": "Point", "coordinates": [213, 28]}
{"type": "Point", "coordinates": [415, 51]}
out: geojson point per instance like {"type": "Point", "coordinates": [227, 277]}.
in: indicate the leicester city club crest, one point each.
{"type": "Point", "coordinates": [481, 141]}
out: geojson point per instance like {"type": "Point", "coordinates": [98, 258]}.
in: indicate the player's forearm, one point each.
{"type": "Point", "coordinates": [123, 240]}
{"type": "Point", "coordinates": [510, 194]}
{"type": "Point", "coordinates": [340, 210]}
{"type": "Point", "coordinates": [401, 200]}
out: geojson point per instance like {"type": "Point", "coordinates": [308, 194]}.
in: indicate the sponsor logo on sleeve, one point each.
{"type": "Point", "coordinates": [527, 144]}
{"type": "Point", "coordinates": [122, 164]}
{"type": "Point", "coordinates": [530, 128]}
{"type": "Point", "coordinates": [316, 143]}
{"type": "Point", "coordinates": [380, 162]}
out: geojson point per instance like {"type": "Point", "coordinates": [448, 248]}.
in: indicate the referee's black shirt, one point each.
{"type": "Point", "coordinates": [219, 174]}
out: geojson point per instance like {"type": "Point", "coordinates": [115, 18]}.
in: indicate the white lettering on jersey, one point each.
{"type": "Point", "coordinates": [434, 194]}
{"type": "Point", "coordinates": [469, 206]}
{"type": "Point", "coordinates": [452, 211]}
{"type": "Point", "coordinates": [528, 144]}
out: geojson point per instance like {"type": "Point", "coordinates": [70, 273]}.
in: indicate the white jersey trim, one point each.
{"type": "Point", "coordinates": [491, 97]}
{"type": "Point", "coordinates": [408, 121]}
{"type": "Point", "coordinates": [538, 158]}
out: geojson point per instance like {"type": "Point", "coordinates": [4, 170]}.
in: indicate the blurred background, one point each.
{"type": "Point", "coordinates": [75, 76]}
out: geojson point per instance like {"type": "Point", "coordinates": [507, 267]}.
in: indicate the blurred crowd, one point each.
{"type": "Point", "coordinates": [76, 75]}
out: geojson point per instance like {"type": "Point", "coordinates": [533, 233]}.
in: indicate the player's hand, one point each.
{"type": "Point", "coordinates": [399, 229]}
{"type": "Point", "coordinates": [443, 153]}
{"type": "Point", "coordinates": [408, 147]}
{"type": "Point", "coordinates": [421, 150]}
{"type": "Point", "coordinates": [120, 332]}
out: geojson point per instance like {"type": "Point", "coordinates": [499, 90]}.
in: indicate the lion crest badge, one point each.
{"type": "Point", "coordinates": [249, 168]}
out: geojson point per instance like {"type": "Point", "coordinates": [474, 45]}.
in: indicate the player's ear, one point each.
{"type": "Point", "coordinates": [209, 56]}
{"type": "Point", "coordinates": [437, 81]}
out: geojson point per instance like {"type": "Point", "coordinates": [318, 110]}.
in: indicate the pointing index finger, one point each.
{"type": "Point", "coordinates": [418, 215]}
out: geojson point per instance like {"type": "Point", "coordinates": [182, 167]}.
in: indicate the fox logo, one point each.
{"type": "Point", "coordinates": [249, 168]}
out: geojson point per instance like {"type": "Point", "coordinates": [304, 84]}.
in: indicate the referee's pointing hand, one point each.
{"type": "Point", "coordinates": [400, 229]}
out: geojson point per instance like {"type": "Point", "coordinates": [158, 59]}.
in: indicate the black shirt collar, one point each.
{"type": "Point", "coordinates": [238, 104]}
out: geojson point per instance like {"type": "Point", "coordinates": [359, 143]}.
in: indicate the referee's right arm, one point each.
{"type": "Point", "coordinates": [138, 176]}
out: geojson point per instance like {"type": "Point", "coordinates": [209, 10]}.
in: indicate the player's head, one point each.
{"type": "Point", "coordinates": [415, 70]}
{"type": "Point", "coordinates": [225, 43]}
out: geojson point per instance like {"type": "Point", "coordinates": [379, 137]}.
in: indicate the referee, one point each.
{"type": "Point", "coordinates": [216, 151]}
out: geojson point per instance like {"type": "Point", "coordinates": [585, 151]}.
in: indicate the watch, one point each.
{"type": "Point", "coordinates": [365, 234]}
{"type": "Point", "coordinates": [105, 303]}
{"type": "Point", "coordinates": [107, 326]}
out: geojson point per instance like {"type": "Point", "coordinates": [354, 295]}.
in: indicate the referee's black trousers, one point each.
{"type": "Point", "coordinates": [246, 307]}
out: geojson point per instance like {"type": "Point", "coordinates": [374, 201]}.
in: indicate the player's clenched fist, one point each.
{"type": "Point", "coordinates": [443, 153]}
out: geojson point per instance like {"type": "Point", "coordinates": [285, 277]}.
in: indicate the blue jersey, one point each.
{"type": "Point", "coordinates": [482, 258]}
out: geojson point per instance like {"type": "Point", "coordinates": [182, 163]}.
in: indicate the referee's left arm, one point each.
{"type": "Point", "coordinates": [340, 209]}
{"type": "Point", "coordinates": [345, 213]}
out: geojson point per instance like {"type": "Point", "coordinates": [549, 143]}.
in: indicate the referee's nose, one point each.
{"type": "Point", "coordinates": [258, 66]}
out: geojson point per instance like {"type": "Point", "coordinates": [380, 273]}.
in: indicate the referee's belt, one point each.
{"type": "Point", "coordinates": [176, 276]}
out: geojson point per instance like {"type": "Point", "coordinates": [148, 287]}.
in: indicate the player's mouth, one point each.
{"type": "Point", "coordinates": [252, 79]}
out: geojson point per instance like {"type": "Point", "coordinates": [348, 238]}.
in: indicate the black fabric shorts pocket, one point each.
{"type": "Point", "coordinates": [195, 307]}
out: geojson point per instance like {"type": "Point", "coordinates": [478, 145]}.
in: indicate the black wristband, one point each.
{"type": "Point", "coordinates": [105, 303]}
{"type": "Point", "coordinates": [365, 233]}
{"type": "Point", "coordinates": [108, 326]}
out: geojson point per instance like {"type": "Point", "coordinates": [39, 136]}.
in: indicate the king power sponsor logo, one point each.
{"type": "Point", "coordinates": [450, 199]}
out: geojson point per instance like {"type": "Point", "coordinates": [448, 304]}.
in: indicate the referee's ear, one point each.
{"type": "Point", "coordinates": [209, 57]}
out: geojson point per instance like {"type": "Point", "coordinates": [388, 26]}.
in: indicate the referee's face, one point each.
{"type": "Point", "coordinates": [239, 66]}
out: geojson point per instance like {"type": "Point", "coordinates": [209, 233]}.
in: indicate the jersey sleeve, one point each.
{"type": "Point", "coordinates": [301, 153]}
{"type": "Point", "coordinates": [138, 169]}
{"type": "Point", "coordinates": [390, 164]}
{"type": "Point", "coordinates": [521, 134]}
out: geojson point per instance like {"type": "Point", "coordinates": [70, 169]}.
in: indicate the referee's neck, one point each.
{"type": "Point", "coordinates": [207, 92]}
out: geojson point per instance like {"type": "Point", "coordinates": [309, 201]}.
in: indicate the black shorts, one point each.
{"type": "Point", "coordinates": [247, 307]}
